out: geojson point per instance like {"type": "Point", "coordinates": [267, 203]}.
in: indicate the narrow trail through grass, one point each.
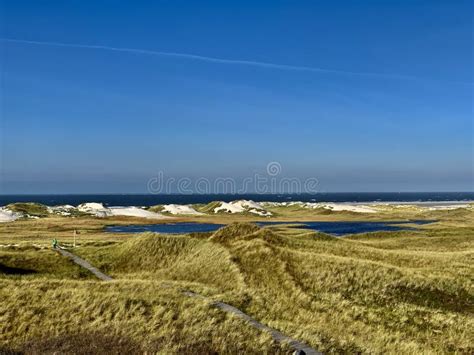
{"type": "Point", "coordinates": [276, 335]}
{"type": "Point", "coordinates": [81, 262]}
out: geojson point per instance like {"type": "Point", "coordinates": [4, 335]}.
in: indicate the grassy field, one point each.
{"type": "Point", "coordinates": [386, 292]}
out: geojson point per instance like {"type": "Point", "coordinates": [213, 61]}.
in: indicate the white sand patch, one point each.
{"type": "Point", "coordinates": [260, 213]}
{"type": "Point", "coordinates": [229, 207]}
{"type": "Point", "coordinates": [94, 208]}
{"type": "Point", "coordinates": [347, 207]}
{"type": "Point", "coordinates": [100, 210]}
{"type": "Point", "coordinates": [8, 216]}
{"type": "Point", "coordinates": [449, 207]}
{"type": "Point", "coordinates": [181, 209]}
{"type": "Point", "coordinates": [133, 212]}
{"type": "Point", "coordinates": [91, 207]}
{"type": "Point", "coordinates": [242, 206]}
{"type": "Point", "coordinates": [395, 206]}
{"type": "Point", "coordinates": [248, 204]}
{"type": "Point", "coordinates": [63, 210]}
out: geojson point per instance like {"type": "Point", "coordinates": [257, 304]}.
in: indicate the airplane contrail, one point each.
{"type": "Point", "coordinates": [216, 60]}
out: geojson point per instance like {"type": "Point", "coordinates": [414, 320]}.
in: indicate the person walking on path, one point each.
{"type": "Point", "coordinates": [55, 243]}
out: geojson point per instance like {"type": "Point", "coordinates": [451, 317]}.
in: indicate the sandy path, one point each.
{"type": "Point", "coordinates": [299, 347]}
{"type": "Point", "coordinates": [81, 262]}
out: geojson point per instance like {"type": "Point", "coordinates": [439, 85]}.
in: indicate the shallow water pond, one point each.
{"type": "Point", "coordinates": [334, 228]}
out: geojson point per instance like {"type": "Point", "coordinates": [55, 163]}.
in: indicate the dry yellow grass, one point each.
{"type": "Point", "coordinates": [153, 316]}
{"type": "Point", "coordinates": [387, 292]}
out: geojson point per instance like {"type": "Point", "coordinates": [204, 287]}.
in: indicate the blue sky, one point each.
{"type": "Point", "coordinates": [362, 95]}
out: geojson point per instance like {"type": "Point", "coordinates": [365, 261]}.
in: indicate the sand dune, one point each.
{"type": "Point", "coordinates": [242, 206]}
{"type": "Point", "coordinates": [180, 209]}
{"type": "Point", "coordinates": [8, 216]}
{"type": "Point", "coordinates": [99, 210]}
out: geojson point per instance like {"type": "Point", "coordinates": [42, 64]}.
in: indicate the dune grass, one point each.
{"type": "Point", "coordinates": [33, 262]}
{"type": "Point", "coordinates": [351, 294]}
{"type": "Point", "coordinates": [134, 316]}
{"type": "Point", "coordinates": [385, 292]}
{"type": "Point", "coordinates": [29, 208]}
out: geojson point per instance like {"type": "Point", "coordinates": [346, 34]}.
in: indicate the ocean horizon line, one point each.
{"type": "Point", "coordinates": [124, 199]}
{"type": "Point", "coordinates": [230, 194]}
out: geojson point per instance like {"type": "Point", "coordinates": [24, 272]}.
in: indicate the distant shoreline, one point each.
{"type": "Point", "coordinates": [415, 199]}
{"type": "Point", "coordinates": [412, 198]}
